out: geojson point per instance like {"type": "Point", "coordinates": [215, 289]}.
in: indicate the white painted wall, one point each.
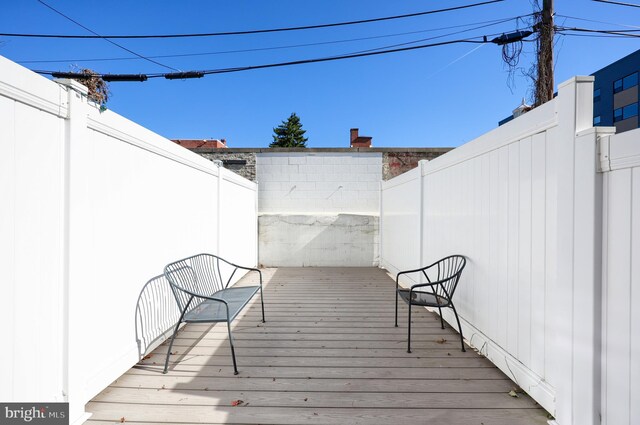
{"type": "Point", "coordinates": [319, 209]}
{"type": "Point", "coordinates": [522, 203]}
{"type": "Point", "coordinates": [318, 182]}
{"type": "Point", "coordinates": [620, 156]}
{"type": "Point", "coordinates": [93, 207]}
{"type": "Point", "coordinates": [343, 240]}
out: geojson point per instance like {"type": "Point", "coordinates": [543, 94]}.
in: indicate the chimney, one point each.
{"type": "Point", "coordinates": [354, 134]}
{"type": "Point", "coordinates": [201, 143]}
{"type": "Point", "coordinates": [359, 141]}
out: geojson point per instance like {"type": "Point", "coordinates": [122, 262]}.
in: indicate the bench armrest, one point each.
{"type": "Point", "coordinates": [251, 269]}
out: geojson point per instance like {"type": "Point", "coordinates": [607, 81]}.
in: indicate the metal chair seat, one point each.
{"type": "Point", "coordinates": [425, 299]}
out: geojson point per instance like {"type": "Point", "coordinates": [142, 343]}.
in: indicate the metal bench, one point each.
{"type": "Point", "coordinates": [202, 296]}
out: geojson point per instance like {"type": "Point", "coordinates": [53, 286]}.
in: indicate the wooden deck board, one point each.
{"type": "Point", "coordinates": [328, 354]}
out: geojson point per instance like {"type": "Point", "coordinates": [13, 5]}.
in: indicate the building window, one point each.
{"type": "Point", "coordinates": [630, 111]}
{"type": "Point", "coordinates": [625, 83]}
{"type": "Point", "coordinates": [596, 95]}
{"type": "Point", "coordinates": [596, 120]}
{"type": "Point", "coordinates": [617, 86]}
{"type": "Point", "coordinates": [630, 81]}
{"type": "Point", "coordinates": [625, 112]}
{"type": "Point", "coordinates": [617, 115]}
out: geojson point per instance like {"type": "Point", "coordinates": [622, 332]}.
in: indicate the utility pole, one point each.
{"type": "Point", "coordinates": [544, 83]}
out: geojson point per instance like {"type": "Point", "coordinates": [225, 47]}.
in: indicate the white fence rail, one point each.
{"type": "Point", "coordinates": [620, 156]}
{"type": "Point", "coordinates": [524, 204]}
{"type": "Point", "coordinates": [93, 206]}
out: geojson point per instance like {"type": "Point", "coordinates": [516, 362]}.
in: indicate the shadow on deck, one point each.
{"type": "Point", "coordinates": [329, 353]}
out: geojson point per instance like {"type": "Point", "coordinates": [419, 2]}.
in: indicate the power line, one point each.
{"type": "Point", "coordinates": [617, 3]}
{"type": "Point", "coordinates": [438, 36]}
{"type": "Point", "coordinates": [596, 21]}
{"type": "Point", "coordinates": [259, 31]}
{"type": "Point", "coordinates": [597, 35]}
{"type": "Point", "coordinates": [259, 49]}
{"type": "Point", "coordinates": [198, 74]}
{"type": "Point", "coordinates": [625, 33]}
{"type": "Point", "coordinates": [104, 38]}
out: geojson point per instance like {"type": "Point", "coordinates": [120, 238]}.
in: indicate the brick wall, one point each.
{"type": "Point", "coordinates": [396, 163]}
{"type": "Point", "coordinates": [247, 170]}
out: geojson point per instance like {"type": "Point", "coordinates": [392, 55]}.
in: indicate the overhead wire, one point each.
{"type": "Point", "coordinates": [618, 3]}
{"type": "Point", "coordinates": [596, 35]}
{"type": "Point", "coordinates": [105, 38]}
{"type": "Point", "coordinates": [258, 49]}
{"type": "Point", "coordinates": [625, 33]}
{"type": "Point", "coordinates": [477, 40]}
{"type": "Point", "coordinates": [455, 60]}
{"type": "Point", "coordinates": [597, 21]}
{"type": "Point", "coordinates": [440, 36]}
{"type": "Point", "coordinates": [259, 31]}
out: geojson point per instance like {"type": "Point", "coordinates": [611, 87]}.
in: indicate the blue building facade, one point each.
{"type": "Point", "coordinates": [615, 94]}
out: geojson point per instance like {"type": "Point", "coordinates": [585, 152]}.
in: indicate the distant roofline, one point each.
{"type": "Point", "coordinates": [612, 64]}
{"type": "Point", "coordinates": [321, 150]}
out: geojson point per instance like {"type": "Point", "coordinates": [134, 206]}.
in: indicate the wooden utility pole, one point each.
{"type": "Point", "coordinates": [544, 83]}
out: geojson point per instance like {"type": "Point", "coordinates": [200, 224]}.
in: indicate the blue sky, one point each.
{"type": "Point", "coordinates": [441, 96]}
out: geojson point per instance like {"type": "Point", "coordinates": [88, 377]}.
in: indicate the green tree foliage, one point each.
{"type": "Point", "coordinates": [289, 134]}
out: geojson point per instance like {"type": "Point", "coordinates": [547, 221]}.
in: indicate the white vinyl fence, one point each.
{"type": "Point", "coordinates": [524, 204]}
{"type": "Point", "coordinates": [620, 162]}
{"type": "Point", "coordinates": [92, 207]}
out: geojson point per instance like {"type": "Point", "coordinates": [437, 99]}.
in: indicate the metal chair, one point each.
{"type": "Point", "coordinates": [442, 279]}
{"type": "Point", "coordinates": [204, 297]}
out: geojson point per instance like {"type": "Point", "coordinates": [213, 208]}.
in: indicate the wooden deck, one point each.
{"type": "Point", "coordinates": [328, 354]}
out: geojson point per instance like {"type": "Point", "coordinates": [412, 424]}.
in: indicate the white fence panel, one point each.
{"type": "Point", "coordinates": [621, 281]}
{"type": "Point", "coordinates": [238, 220]}
{"type": "Point", "coordinates": [31, 236]}
{"type": "Point", "coordinates": [521, 203]}
{"type": "Point", "coordinates": [132, 196]}
{"type": "Point", "coordinates": [94, 206]}
{"type": "Point", "coordinates": [400, 209]}
{"type": "Point", "coordinates": [489, 204]}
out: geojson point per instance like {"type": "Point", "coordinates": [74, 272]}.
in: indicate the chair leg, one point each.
{"type": "Point", "coordinates": [396, 308]}
{"type": "Point", "coordinates": [459, 327]}
{"type": "Point", "coordinates": [173, 337]}
{"type": "Point", "coordinates": [409, 330]}
{"type": "Point", "coordinates": [441, 319]}
{"type": "Point", "coordinates": [233, 352]}
{"type": "Point", "coordinates": [261, 301]}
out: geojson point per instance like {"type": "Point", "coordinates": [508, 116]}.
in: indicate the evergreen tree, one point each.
{"type": "Point", "coordinates": [289, 134]}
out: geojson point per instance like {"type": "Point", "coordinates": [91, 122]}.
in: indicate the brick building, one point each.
{"type": "Point", "coordinates": [392, 161]}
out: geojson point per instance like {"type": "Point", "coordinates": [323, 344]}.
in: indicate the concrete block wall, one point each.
{"type": "Point", "coordinates": [319, 183]}
{"type": "Point", "coordinates": [319, 208]}
{"type": "Point", "coordinates": [310, 240]}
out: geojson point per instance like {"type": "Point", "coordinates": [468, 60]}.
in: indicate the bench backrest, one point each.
{"type": "Point", "coordinates": [198, 275]}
